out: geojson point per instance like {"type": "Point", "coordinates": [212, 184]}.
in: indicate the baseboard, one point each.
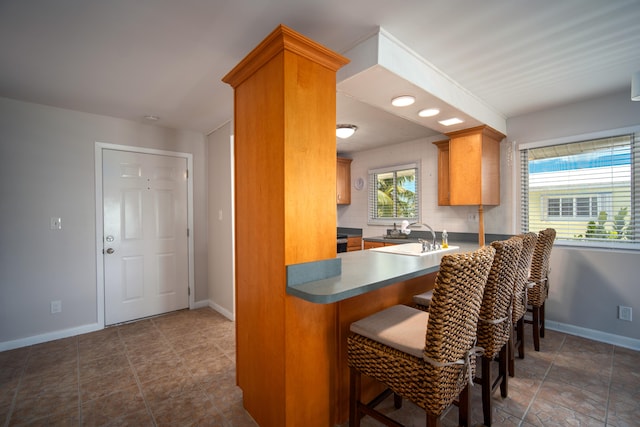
{"type": "Point", "coordinates": [592, 334]}
{"type": "Point", "coordinates": [226, 313]}
{"type": "Point", "coordinates": [200, 304]}
{"type": "Point", "coordinates": [66, 333]}
{"type": "Point", "coordinates": [39, 339]}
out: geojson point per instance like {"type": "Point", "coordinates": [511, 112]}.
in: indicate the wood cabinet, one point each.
{"type": "Point", "coordinates": [343, 181]}
{"type": "Point", "coordinates": [369, 244]}
{"type": "Point", "coordinates": [443, 172]}
{"type": "Point", "coordinates": [354, 243]}
{"type": "Point", "coordinates": [469, 167]}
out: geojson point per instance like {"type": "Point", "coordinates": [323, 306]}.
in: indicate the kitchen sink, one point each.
{"type": "Point", "coordinates": [413, 249]}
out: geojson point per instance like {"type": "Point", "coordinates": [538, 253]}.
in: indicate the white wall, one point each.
{"type": "Point", "coordinates": [451, 218]}
{"type": "Point", "coordinates": [47, 169]}
{"type": "Point", "coordinates": [221, 224]}
{"type": "Point", "coordinates": [587, 285]}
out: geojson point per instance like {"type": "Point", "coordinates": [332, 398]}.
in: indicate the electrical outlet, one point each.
{"type": "Point", "coordinates": [472, 217]}
{"type": "Point", "coordinates": [56, 307]}
{"type": "Point", "coordinates": [624, 313]}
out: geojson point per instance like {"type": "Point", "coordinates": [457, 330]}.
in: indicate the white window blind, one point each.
{"type": "Point", "coordinates": [394, 194]}
{"type": "Point", "coordinates": [588, 191]}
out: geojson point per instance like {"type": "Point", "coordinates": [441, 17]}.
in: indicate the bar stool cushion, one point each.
{"type": "Point", "coordinates": [423, 299]}
{"type": "Point", "coordinates": [400, 327]}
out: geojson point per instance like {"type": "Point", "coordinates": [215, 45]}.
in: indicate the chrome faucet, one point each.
{"type": "Point", "coordinates": [426, 245]}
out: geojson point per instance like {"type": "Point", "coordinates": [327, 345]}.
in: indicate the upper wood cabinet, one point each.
{"type": "Point", "coordinates": [469, 167]}
{"type": "Point", "coordinates": [343, 181]}
{"type": "Point", "coordinates": [443, 172]}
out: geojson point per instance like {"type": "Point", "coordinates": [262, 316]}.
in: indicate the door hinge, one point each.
{"type": "Point", "coordinates": [187, 174]}
{"type": "Point", "coordinates": [187, 232]}
{"type": "Point", "coordinates": [188, 291]}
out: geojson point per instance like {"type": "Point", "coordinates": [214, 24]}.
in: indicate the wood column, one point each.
{"type": "Point", "coordinates": [285, 213]}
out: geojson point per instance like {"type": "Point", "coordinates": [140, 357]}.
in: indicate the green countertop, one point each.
{"type": "Point", "coordinates": [365, 271]}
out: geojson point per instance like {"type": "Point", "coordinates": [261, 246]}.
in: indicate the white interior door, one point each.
{"type": "Point", "coordinates": [145, 238]}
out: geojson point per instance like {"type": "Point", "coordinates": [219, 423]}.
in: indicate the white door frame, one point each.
{"type": "Point", "coordinates": [100, 220]}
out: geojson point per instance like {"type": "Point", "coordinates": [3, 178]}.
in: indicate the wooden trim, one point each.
{"type": "Point", "coordinates": [283, 38]}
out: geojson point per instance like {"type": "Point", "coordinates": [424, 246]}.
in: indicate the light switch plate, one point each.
{"type": "Point", "coordinates": [55, 223]}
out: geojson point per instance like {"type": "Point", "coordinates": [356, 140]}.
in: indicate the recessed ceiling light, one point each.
{"type": "Point", "coordinates": [403, 101]}
{"type": "Point", "coordinates": [152, 118]}
{"type": "Point", "coordinates": [451, 121]}
{"type": "Point", "coordinates": [429, 112]}
{"type": "Point", "coordinates": [345, 131]}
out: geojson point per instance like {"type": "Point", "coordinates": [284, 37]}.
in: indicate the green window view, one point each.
{"type": "Point", "coordinates": [586, 190]}
{"type": "Point", "coordinates": [394, 195]}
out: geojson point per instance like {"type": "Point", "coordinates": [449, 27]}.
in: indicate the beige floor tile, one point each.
{"type": "Point", "coordinates": [99, 366]}
{"type": "Point", "coordinates": [189, 408]}
{"type": "Point", "coordinates": [552, 414]}
{"type": "Point", "coordinates": [624, 409]}
{"type": "Point", "coordinates": [32, 405]}
{"type": "Point", "coordinates": [106, 383]}
{"type": "Point", "coordinates": [579, 400]}
{"type": "Point", "coordinates": [179, 369]}
{"type": "Point", "coordinates": [173, 384]}
{"type": "Point", "coordinates": [113, 406]}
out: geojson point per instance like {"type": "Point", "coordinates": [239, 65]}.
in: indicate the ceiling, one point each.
{"type": "Point", "coordinates": [129, 59]}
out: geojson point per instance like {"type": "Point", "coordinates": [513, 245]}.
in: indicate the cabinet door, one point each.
{"type": "Point", "coordinates": [369, 245]}
{"type": "Point", "coordinates": [343, 181]}
{"type": "Point", "coordinates": [354, 244]}
{"type": "Point", "coordinates": [443, 172]}
{"type": "Point", "coordinates": [469, 167]}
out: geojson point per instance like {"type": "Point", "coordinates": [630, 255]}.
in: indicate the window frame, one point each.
{"type": "Point", "coordinates": [372, 196]}
{"type": "Point", "coordinates": [575, 208]}
{"type": "Point", "coordinates": [522, 210]}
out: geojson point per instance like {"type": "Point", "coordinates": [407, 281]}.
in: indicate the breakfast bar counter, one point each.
{"type": "Point", "coordinates": [361, 272]}
{"type": "Point", "coordinates": [356, 285]}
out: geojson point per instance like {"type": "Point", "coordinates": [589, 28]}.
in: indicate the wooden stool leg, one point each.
{"type": "Point", "coordinates": [354, 397]}
{"type": "Point", "coordinates": [486, 390]}
{"type": "Point", "coordinates": [433, 421]}
{"type": "Point", "coordinates": [464, 406]}
{"type": "Point", "coordinates": [542, 320]}
{"type": "Point", "coordinates": [520, 337]}
{"type": "Point", "coordinates": [397, 401]}
{"type": "Point", "coordinates": [536, 328]}
{"type": "Point", "coordinates": [503, 359]}
{"type": "Point", "coordinates": [512, 355]}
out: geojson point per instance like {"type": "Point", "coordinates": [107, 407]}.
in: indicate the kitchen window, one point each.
{"type": "Point", "coordinates": [394, 194]}
{"type": "Point", "coordinates": [588, 190]}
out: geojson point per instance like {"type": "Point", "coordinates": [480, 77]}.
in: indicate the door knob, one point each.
{"type": "Point", "coordinates": [110, 251]}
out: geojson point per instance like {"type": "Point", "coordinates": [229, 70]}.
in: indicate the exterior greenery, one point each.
{"type": "Point", "coordinates": [618, 228]}
{"type": "Point", "coordinates": [396, 195]}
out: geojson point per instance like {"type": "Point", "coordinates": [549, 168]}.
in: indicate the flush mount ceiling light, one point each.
{"type": "Point", "coordinates": [450, 122]}
{"type": "Point", "coordinates": [635, 86]}
{"type": "Point", "coordinates": [152, 118]}
{"type": "Point", "coordinates": [345, 131]}
{"type": "Point", "coordinates": [403, 101]}
{"type": "Point", "coordinates": [429, 112]}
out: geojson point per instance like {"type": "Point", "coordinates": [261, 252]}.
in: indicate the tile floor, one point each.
{"type": "Point", "coordinates": [178, 370]}
{"type": "Point", "coordinates": [572, 381]}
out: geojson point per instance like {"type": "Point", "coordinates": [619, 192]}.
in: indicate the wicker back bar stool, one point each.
{"type": "Point", "coordinates": [520, 298]}
{"type": "Point", "coordinates": [495, 320]}
{"type": "Point", "coordinates": [538, 286]}
{"type": "Point", "coordinates": [428, 358]}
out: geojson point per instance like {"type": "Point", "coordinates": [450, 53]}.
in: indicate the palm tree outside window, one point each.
{"type": "Point", "coordinates": [394, 194]}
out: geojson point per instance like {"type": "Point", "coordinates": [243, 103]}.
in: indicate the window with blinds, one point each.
{"type": "Point", "coordinates": [588, 191]}
{"type": "Point", "coordinates": [394, 194]}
